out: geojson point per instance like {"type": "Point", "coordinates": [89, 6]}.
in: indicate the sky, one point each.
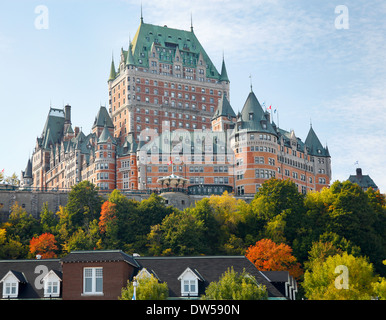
{"type": "Point", "coordinates": [316, 62]}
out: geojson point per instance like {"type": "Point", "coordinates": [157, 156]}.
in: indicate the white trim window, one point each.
{"type": "Point", "coordinates": [93, 281]}
{"type": "Point", "coordinates": [189, 282]}
{"type": "Point", "coordinates": [11, 284]}
{"type": "Point", "coordinates": [51, 285]}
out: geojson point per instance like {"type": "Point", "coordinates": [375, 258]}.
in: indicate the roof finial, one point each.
{"type": "Point", "coordinates": [191, 22]}
{"type": "Point", "coordinates": [310, 123]}
{"type": "Point", "coordinates": [250, 77]}
{"type": "Point", "coordinates": [141, 13]}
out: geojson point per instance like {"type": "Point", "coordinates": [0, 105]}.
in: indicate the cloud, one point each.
{"type": "Point", "coordinates": [245, 30]}
{"type": "Point", "coordinates": [355, 123]}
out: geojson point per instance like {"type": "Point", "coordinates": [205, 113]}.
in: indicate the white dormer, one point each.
{"type": "Point", "coordinates": [189, 282]}
{"type": "Point", "coordinates": [11, 283]}
{"type": "Point", "coordinates": [144, 273]}
{"type": "Point", "coordinates": [51, 285]}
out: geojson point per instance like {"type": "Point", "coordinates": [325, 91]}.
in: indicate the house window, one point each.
{"type": "Point", "coordinates": [11, 284]}
{"type": "Point", "coordinates": [51, 284]}
{"type": "Point", "coordinates": [93, 281]}
{"type": "Point", "coordinates": [189, 282]}
{"type": "Point", "coordinates": [189, 286]}
{"type": "Point", "coordinates": [10, 290]}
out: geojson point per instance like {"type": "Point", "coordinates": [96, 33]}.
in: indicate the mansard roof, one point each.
{"type": "Point", "coordinates": [169, 41]}
{"type": "Point", "coordinates": [364, 181]}
{"type": "Point", "coordinates": [53, 128]}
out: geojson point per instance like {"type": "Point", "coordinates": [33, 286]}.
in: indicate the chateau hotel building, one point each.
{"type": "Point", "coordinates": [169, 115]}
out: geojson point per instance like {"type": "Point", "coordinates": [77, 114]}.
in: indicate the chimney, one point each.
{"type": "Point", "coordinates": [359, 172]}
{"type": "Point", "coordinates": [67, 113]}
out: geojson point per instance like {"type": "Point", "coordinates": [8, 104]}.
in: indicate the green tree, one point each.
{"type": "Point", "coordinates": [235, 286]}
{"type": "Point", "coordinates": [48, 220]}
{"type": "Point", "coordinates": [149, 288]}
{"type": "Point", "coordinates": [83, 239]}
{"type": "Point", "coordinates": [180, 233]}
{"type": "Point", "coordinates": [279, 207]}
{"type": "Point", "coordinates": [83, 205]}
{"type": "Point", "coordinates": [340, 277]}
{"type": "Point", "coordinates": [21, 226]}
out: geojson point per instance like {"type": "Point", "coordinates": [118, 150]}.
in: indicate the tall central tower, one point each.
{"type": "Point", "coordinates": [164, 80]}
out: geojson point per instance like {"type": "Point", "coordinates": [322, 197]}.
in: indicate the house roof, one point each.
{"type": "Point", "coordinates": [27, 272]}
{"type": "Point", "coordinates": [99, 256]}
{"type": "Point", "coordinates": [277, 276]}
{"type": "Point", "coordinates": [364, 181]}
{"type": "Point", "coordinates": [209, 268]}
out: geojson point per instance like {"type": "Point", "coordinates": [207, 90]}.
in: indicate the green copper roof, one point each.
{"type": "Point", "coordinates": [112, 71]}
{"type": "Point", "coordinates": [314, 147]}
{"type": "Point", "coordinates": [102, 118]}
{"type": "Point", "coordinates": [129, 145]}
{"type": "Point", "coordinates": [167, 40]}
{"type": "Point", "coordinates": [224, 74]}
{"type": "Point", "coordinates": [106, 136]}
{"type": "Point", "coordinates": [129, 56]}
{"type": "Point", "coordinates": [224, 109]}
{"type": "Point", "coordinates": [53, 128]}
{"type": "Point", "coordinates": [253, 118]}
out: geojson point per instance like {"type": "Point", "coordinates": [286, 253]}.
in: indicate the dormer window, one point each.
{"type": "Point", "coordinates": [11, 283]}
{"type": "Point", "coordinates": [189, 282]}
{"type": "Point", "coordinates": [52, 284]}
{"type": "Point", "coordinates": [251, 116]}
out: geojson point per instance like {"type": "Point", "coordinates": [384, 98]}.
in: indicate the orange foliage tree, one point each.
{"type": "Point", "coordinates": [107, 215]}
{"type": "Point", "coordinates": [266, 255]}
{"type": "Point", "coordinates": [44, 245]}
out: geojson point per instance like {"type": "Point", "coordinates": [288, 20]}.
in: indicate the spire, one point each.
{"type": "Point", "coordinates": [112, 70]}
{"type": "Point", "coordinates": [191, 22]}
{"type": "Point", "coordinates": [130, 57]}
{"type": "Point", "coordinates": [224, 74]}
{"type": "Point", "coordinates": [141, 14]}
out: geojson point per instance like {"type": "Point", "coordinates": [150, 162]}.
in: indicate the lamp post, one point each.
{"type": "Point", "coordinates": [135, 285]}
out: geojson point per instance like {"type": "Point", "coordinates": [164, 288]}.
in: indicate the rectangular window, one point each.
{"type": "Point", "coordinates": [93, 280]}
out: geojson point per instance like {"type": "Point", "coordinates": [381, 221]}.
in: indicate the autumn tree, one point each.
{"type": "Point", "coordinates": [235, 286]}
{"type": "Point", "coordinates": [266, 255]}
{"type": "Point", "coordinates": [44, 245]}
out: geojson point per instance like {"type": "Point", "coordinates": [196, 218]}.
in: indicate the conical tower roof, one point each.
{"type": "Point", "coordinates": [224, 74]}
{"type": "Point", "coordinates": [112, 71]}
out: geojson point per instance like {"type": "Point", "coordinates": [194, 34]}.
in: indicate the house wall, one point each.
{"type": "Point", "coordinates": [115, 276]}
